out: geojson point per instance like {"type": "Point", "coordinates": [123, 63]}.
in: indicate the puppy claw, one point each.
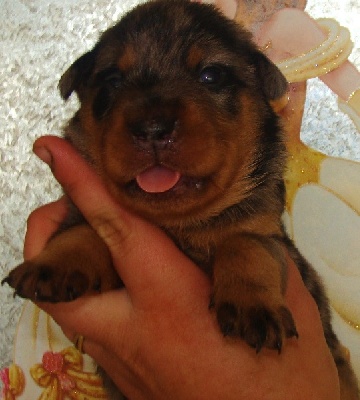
{"type": "Point", "coordinates": [288, 323]}
{"type": "Point", "coordinates": [292, 333]}
{"type": "Point", "coordinates": [259, 326]}
{"type": "Point", "coordinates": [226, 316]}
{"type": "Point", "coordinates": [211, 303]}
{"type": "Point", "coordinates": [5, 280]}
{"type": "Point", "coordinates": [228, 329]}
{"type": "Point", "coordinates": [278, 346]}
{"type": "Point", "coordinates": [97, 286]}
{"type": "Point", "coordinates": [71, 293]}
{"type": "Point", "coordinates": [40, 282]}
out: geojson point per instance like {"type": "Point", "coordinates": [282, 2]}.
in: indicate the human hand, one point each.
{"type": "Point", "coordinates": [157, 338]}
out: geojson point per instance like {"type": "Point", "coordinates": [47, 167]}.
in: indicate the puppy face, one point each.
{"type": "Point", "coordinates": [175, 111]}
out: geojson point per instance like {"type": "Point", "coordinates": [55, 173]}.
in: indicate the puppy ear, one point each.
{"type": "Point", "coordinates": [77, 75]}
{"type": "Point", "coordinates": [274, 83]}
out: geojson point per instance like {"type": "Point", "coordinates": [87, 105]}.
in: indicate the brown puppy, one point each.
{"type": "Point", "coordinates": [176, 117]}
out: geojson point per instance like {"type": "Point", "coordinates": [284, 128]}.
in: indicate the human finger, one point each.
{"type": "Point", "coordinates": [78, 179]}
{"type": "Point", "coordinates": [93, 316]}
{"type": "Point", "coordinates": [307, 318]}
{"type": "Point", "coordinates": [132, 241]}
{"type": "Point", "coordinates": [41, 224]}
{"type": "Point", "coordinates": [299, 299]}
{"type": "Point", "coordinates": [85, 188]}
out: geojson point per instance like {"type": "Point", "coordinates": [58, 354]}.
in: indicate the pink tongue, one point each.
{"type": "Point", "coordinates": [157, 179]}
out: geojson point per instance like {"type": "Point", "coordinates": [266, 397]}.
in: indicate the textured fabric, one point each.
{"type": "Point", "coordinates": [38, 40]}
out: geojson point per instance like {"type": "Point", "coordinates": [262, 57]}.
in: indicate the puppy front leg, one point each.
{"type": "Point", "coordinates": [249, 278]}
{"type": "Point", "coordinates": [73, 263]}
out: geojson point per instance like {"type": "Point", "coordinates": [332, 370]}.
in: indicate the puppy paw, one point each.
{"type": "Point", "coordinates": [51, 283]}
{"type": "Point", "coordinates": [72, 264]}
{"type": "Point", "coordinates": [259, 325]}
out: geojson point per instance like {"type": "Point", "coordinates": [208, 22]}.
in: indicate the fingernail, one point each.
{"type": "Point", "coordinates": [44, 154]}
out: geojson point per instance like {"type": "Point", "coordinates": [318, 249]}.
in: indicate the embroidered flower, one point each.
{"type": "Point", "coordinates": [61, 376]}
{"type": "Point", "coordinates": [323, 219]}
{"type": "Point", "coordinates": [13, 382]}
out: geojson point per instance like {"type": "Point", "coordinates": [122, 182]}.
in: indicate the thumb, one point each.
{"type": "Point", "coordinates": [143, 255]}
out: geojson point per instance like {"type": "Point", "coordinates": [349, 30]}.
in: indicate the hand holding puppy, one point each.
{"type": "Point", "coordinates": [156, 338]}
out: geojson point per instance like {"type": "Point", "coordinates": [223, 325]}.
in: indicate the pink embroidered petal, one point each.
{"type": "Point", "coordinates": [53, 362]}
{"type": "Point", "coordinates": [5, 378]}
{"type": "Point", "coordinates": [66, 382]}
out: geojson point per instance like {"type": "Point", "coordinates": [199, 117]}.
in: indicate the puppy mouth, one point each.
{"type": "Point", "coordinates": [159, 179]}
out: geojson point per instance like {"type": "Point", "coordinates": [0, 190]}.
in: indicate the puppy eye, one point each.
{"type": "Point", "coordinates": [114, 80]}
{"type": "Point", "coordinates": [212, 75]}
{"type": "Point", "coordinates": [111, 77]}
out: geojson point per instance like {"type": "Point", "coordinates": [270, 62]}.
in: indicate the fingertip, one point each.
{"type": "Point", "coordinates": [47, 140]}
{"type": "Point", "coordinates": [44, 145]}
{"type": "Point", "coordinates": [60, 155]}
{"type": "Point", "coordinates": [44, 154]}
{"type": "Point", "coordinates": [74, 174]}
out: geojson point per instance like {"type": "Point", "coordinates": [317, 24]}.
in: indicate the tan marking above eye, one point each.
{"type": "Point", "coordinates": [195, 57]}
{"type": "Point", "coordinates": [127, 59]}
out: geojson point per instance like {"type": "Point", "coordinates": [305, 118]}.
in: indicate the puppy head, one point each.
{"type": "Point", "coordinates": [175, 111]}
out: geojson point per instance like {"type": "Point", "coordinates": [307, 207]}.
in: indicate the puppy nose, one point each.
{"type": "Point", "coordinates": [155, 131]}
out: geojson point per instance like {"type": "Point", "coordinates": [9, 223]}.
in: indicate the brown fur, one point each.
{"type": "Point", "coordinates": [145, 101]}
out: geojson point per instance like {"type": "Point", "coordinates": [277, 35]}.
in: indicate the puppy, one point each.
{"type": "Point", "coordinates": [176, 117]}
